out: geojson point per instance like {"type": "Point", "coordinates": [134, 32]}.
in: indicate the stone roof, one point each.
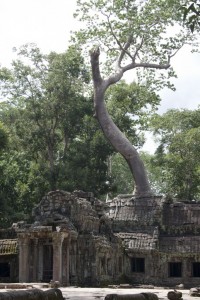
{"type": "Point", "coordinates": [8, 247]}
{"type": "Point", "coordinates": [135, 241]}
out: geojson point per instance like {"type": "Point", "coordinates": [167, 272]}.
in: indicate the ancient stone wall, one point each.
{"type": "Point", "coordinates": [180, 213]}
{"type": "Point", "coordinates": [161, 238]}
{"type": "Point", "coordinates": [70, 241]}
{"type": "Point", "coordinates": [80, 240]}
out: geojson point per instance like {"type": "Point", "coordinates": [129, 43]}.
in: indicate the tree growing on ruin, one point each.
{"type": "Point", "coordinates": [54, 142]}
{"type": "Point", "coordinates": [130, 35]}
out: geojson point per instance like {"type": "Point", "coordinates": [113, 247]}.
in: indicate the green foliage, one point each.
{"type": "Point", "coordinates": [43, 109]}
{"type": "Point", "coordinates": [85, 163]}
{"type": "Point", "coordinates": [44, 90]}
{"type": "Point", "coordinates": [155, 173]}
{"type": "Point", "coordinates": [130, 106]}
{"type": "Point", "coordinates": [18, 187]}
{"type": "Point", "coordinates": [120, 180]}
{"type": "Point", "coordinates": [177, 158]}
{"type": "Point", "coordinates": [191, 14]}
{"type": "Point", "coordinates": [3, 137]}
{"type": "Point", "coordinates": [148, 32]}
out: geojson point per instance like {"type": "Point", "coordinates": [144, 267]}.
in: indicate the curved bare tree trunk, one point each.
{"type": "Point", "coordinates": [112, 132]}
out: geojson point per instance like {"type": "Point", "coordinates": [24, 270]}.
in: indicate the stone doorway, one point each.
{"type": "Point", "coordinates": [47, 263]}
{"type": "Point", "coordinates": [5, 270]}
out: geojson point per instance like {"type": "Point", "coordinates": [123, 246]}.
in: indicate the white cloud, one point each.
{"type": "Point", "coordinates": [187, 94]}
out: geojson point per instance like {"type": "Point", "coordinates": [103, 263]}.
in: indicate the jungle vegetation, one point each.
{"type": "Point", "coordinates": [70, 123]}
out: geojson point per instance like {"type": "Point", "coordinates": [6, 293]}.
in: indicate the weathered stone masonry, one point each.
{"type": "Point", "coordinates": [161, 239]}
{"type": "Point", "coordinates": [70, 241]}
{"type": "Point", "coordinates": [78, 240]}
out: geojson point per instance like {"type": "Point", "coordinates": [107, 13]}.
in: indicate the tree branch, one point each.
{"type": "Point", "coordinates": [145, 65]}
{"type": "Point", "coordinates": [124, 51]}
{"type": "Point", "coordinates": [114, 77]}
{"type": "Point", "coordinates": [94, 59]}
{"type": "Point", "coordinates": [138, 49]}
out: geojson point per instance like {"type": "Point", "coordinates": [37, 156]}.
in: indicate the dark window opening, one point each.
{"type": "Point", "coordinates": [175, 269]}
{"type": "Point", "coordinates": [47, 263]}
{"type": "Point", "coordinates": [120, 264]}
{"type": "Point", "coordinates": [4, 270]}
{"type": "Point", "coordinates": [137, 264]}
{"type": "Point", "coordinates": [109, 266]}
{"type": "Point", "coordinates": [196, 269]}
{"type": "Point", "coordinates": [103, 265]}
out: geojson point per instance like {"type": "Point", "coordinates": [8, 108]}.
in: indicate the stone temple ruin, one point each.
{"type": "Point", "coordinates": [77, 239]}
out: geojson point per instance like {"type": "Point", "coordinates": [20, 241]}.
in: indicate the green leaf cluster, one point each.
{"type": "Point", "coordinates": [177, 158]}
{"type": "Point", "coordinates": [191, 14]}
{"type": "Point", "coordinates": [3, 137]}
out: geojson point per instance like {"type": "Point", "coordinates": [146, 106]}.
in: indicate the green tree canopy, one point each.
{"type": "Point", "coordinates": [43, 109]}
{"type": "Point", "coordinates": [47, 91]}
{"type": "Point", "coordinates": [177, 158]}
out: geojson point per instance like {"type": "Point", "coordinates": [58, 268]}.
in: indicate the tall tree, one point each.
{"type": "Point", "coordinates": [47, 91]}
{"type": "Point", "coordinates": [131, 35]}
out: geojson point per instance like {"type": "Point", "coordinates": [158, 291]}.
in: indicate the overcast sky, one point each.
{"type": "Point", "coordinates": [48, 23]}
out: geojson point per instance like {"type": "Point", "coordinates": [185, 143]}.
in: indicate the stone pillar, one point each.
{"type": "Point", "coordinates": [65, 270]}
{"type": "Point", "coordinates": [57, 256]}
{"type": "Point", "coordinates": [23, 259]}
{"type": "Point", "coordinates": [35, 260]}
{"type": "Point", "coordinates": [59, 266]}
{"type": "Point", "coordinates": [40, 261]}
